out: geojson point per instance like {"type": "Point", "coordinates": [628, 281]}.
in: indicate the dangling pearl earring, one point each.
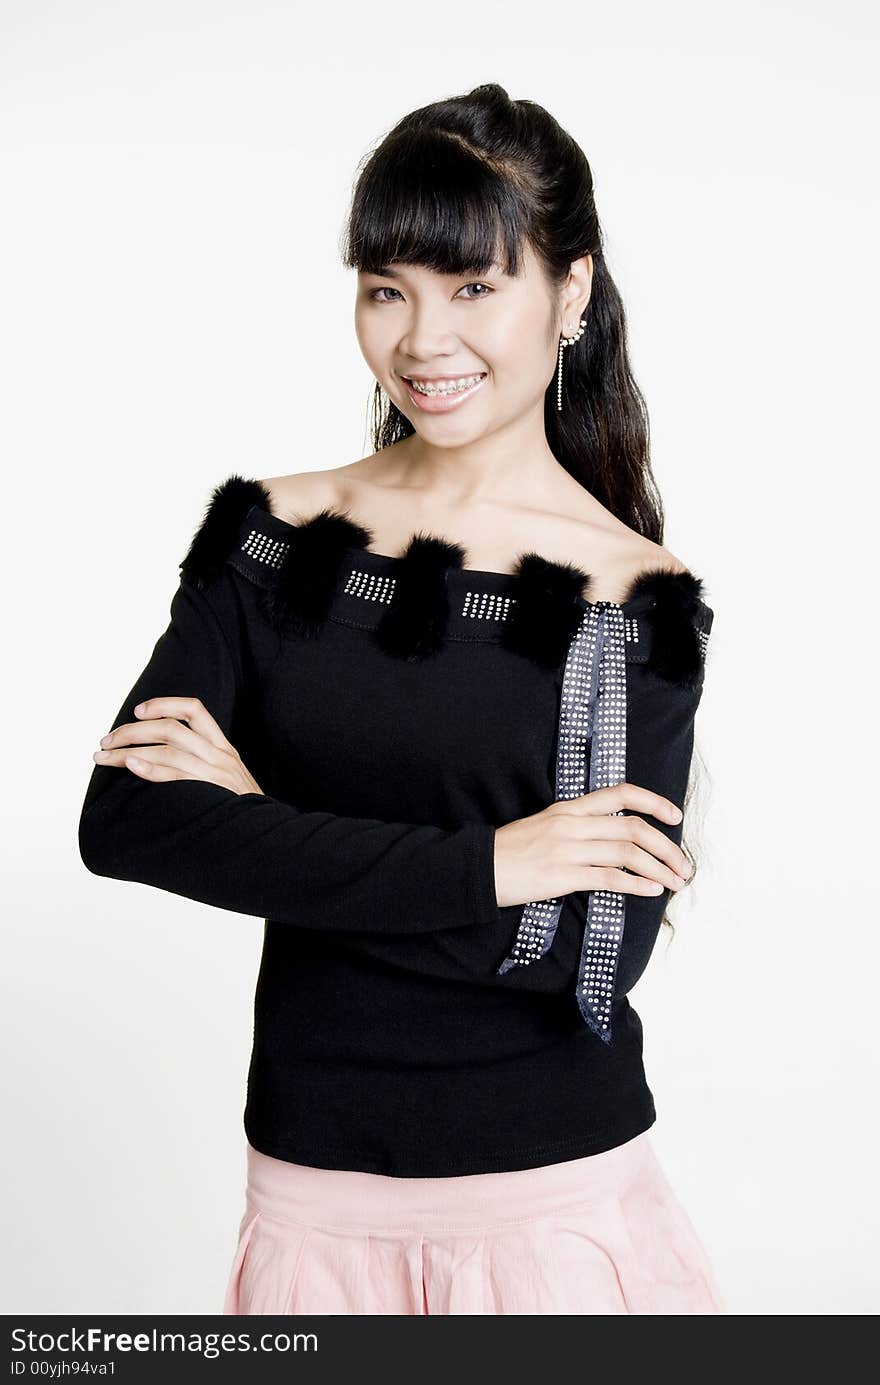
{"type": "Point", "coordinates": [566, 341]}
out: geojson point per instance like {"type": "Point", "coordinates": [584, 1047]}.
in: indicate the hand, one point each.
{"type": "Point", "coordinates": [172, 750]}
{"type": "Point", "coordinates": [577, 844]}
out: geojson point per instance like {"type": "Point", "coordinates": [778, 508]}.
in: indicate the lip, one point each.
{"type": "Point", "coordinates": [442, 404]}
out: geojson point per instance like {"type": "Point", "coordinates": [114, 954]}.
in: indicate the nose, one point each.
{"type": "Point", "coordinates": [428, 337]}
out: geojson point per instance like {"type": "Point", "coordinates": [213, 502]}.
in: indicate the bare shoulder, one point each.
{"type": "Point", "coordinates": [627, 556]}
{"type": "Point", "coordinates": [656, 556]}
{"type": "Point", "coordinates": [297, 497]}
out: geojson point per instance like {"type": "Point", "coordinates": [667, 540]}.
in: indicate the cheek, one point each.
{"type": "Point", "coordinates": [370, 339]}
{"type": "Point", "coordinates": [519, 347]}
{"type": "Point", "coordinates": [521, 360]}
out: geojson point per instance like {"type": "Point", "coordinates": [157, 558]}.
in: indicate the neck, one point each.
{"type": "Point", "coordinates": [512, 465]}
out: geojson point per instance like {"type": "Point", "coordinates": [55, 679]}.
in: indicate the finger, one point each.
{"type": "Point", "coordinates": [634, 829]}
{"type": "Point", "coordinates": [627, 856]}
{"type": "Point", "coordinates": [617, 796]}
{"type": "Point", "coordinates": [189, 709]}
{"type": "Point", "coordinates": [159, 763]}
{"type": "Point", "coordinates": [619, 881]}
{"type": "Point", "coordinates": [166, 731]}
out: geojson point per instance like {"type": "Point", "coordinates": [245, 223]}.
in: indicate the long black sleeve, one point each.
{"type": "Point", "coordinates": [253, 853]}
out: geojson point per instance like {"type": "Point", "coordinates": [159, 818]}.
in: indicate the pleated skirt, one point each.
{"type": "Point", "coordinates": [601, 1234]}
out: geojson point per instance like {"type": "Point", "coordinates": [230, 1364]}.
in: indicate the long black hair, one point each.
{"type": "Point", "coordinates": [463, 181]}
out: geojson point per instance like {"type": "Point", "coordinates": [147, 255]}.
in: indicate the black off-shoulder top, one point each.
{"type": "Point", "coordinates": [396, 711]}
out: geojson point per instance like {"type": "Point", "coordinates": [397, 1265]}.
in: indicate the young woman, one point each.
{"type": "Point", "coordinates": [431, 716]}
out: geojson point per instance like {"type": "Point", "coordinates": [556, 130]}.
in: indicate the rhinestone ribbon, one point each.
{"type": "Point", "coordinates": [591, 754]}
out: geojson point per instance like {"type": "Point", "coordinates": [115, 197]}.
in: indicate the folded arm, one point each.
{"type": "Point", "coordinates": [255, 854]}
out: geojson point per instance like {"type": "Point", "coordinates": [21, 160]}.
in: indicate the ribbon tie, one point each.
{"type": "Point", "coordinates": [591, 754]}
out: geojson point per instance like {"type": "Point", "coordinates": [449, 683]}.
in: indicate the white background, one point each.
{"type": "Point", "coordinates": [175, 179]}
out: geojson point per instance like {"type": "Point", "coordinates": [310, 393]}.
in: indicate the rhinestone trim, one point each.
{"type": "Point", "coordinates": [591, 754]}
{"type": "Point", "coordinates": [487, 605]}
{"type": "Point", "coordinates": [372, 586]}
{"type": "Point", "coordinates": [606, 909]}
{"type": "Point", "coordinates": [264, 549]}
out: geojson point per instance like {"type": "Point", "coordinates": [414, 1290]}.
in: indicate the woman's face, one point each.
{"type": "Point", "coordinates": [440, 329]}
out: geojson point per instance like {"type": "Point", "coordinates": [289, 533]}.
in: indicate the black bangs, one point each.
{"type": "Point", "coordinates": [426, 198]}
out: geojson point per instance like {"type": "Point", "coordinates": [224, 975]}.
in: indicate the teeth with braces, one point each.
{"type": "Point", "coordinates": [446, 387]}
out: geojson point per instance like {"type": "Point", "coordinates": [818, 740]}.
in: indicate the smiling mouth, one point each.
{"type": "Point", "coordinates": [444, 385]}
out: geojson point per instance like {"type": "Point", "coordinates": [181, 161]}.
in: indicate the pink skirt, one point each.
{"type": "Point", "coordinates": [602, 1234]}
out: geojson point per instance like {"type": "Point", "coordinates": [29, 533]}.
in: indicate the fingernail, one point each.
{"type": "Point", "coordinates": [140, 707]}
{"type": "Point", "coordinates": [101, 754]}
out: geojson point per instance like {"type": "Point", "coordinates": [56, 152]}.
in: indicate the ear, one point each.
{"type": "Point", "coordinates": [413, 625]}
{"type": "Point", "coordinates": [676, 617]}
{"type": "Point", "coordinates": [299, 600]}
{"type": "Point", "coordinates": [543, 620]}
{"type": "Point", "coordinates": [216, 536]}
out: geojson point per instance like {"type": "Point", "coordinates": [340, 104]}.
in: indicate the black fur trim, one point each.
{"type": "Point", "coordinates": [413, 625]}
{"type": "Point", "coordinates": [299, 600]}
{"type": "Point", "coordinates": [215, 537]}
{"type": "Point", "coordinates": [676, 651]}
{"type": "Point", "coordinates": [545, 617]}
